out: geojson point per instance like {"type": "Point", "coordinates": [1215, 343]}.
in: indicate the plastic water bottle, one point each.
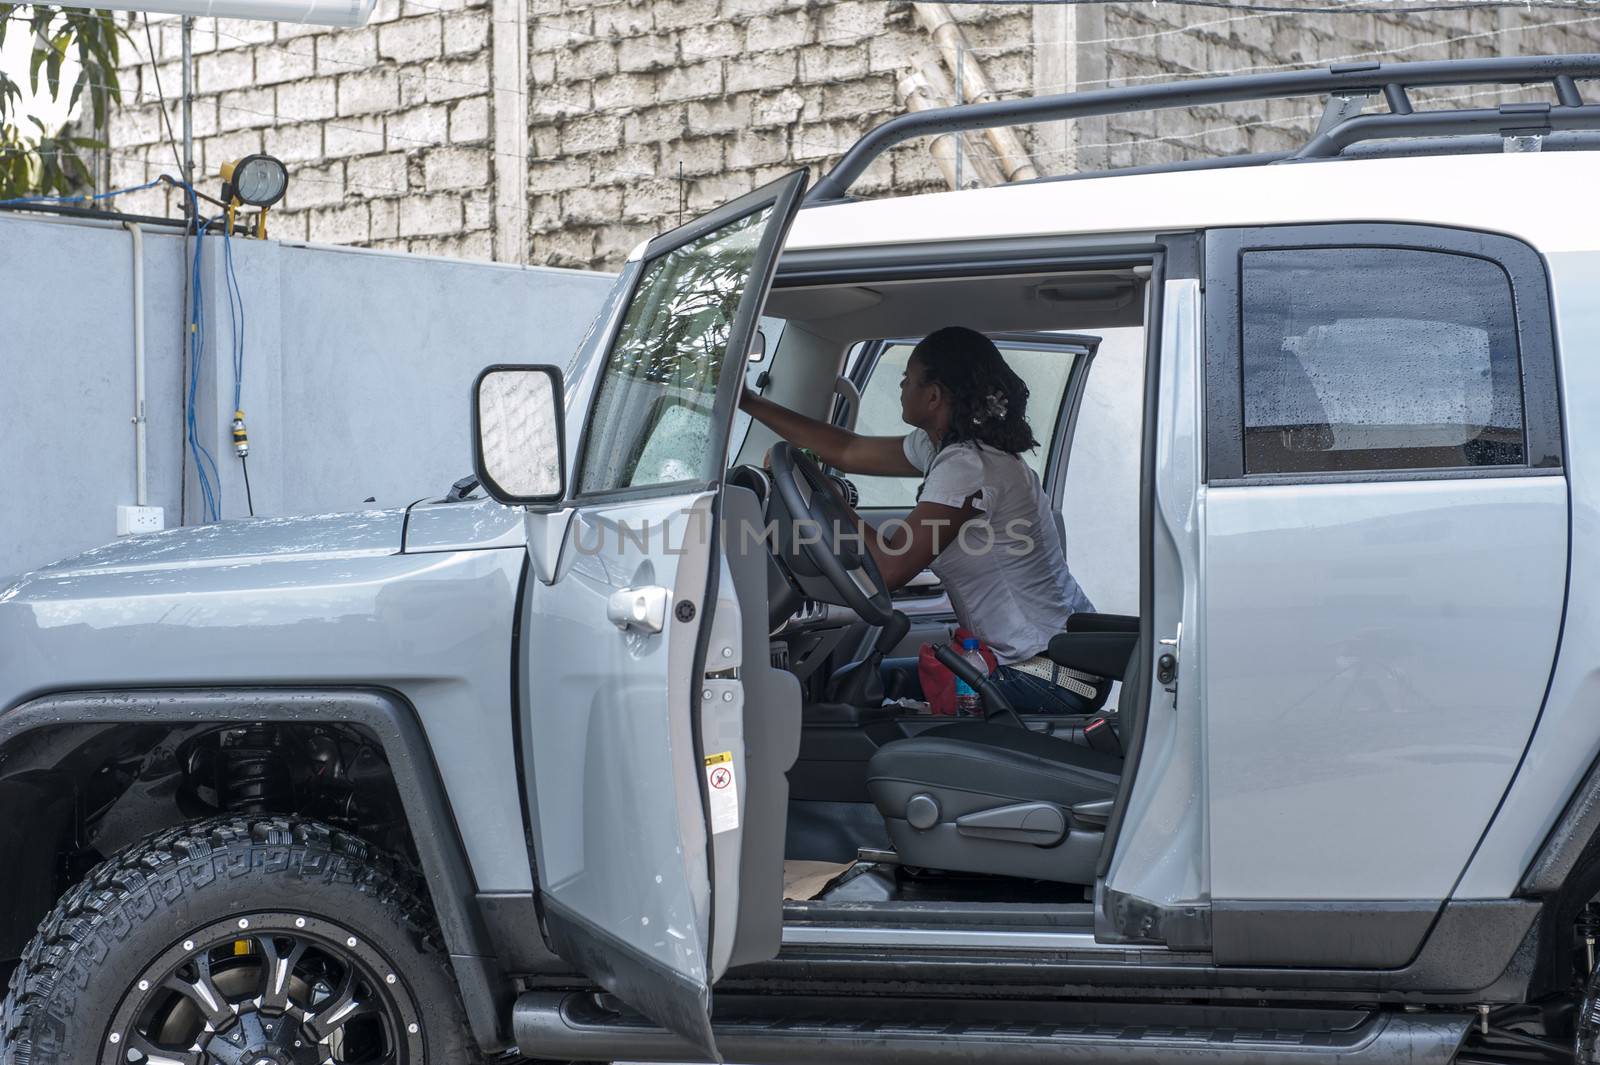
{"type": "Point", "coordinates": [966, 698]}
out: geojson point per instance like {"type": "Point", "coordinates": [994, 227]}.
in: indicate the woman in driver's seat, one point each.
{"type": "Point", "coordinates": [982, 520]}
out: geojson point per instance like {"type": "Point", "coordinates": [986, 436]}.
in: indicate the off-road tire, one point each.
{"type": "Point", "coordinates": [93, 946]}
{"type": "Point", "coordinates": [1586, 1049]}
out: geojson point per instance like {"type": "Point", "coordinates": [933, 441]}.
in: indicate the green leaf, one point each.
{"type": "Point", "coordinates": [33, 162]}
{"type": "Point", "coordinates": [10, 95]}
{"type": "Point", "coordinates": [35, 61]}
{"type": "Point", "coordinates": [52, 68]}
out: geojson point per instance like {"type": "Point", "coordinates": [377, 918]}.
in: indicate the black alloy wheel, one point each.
{"type": "Point", "coordinates": [267, 989]}
{"type": "Point", "coordinates": [244, 940]}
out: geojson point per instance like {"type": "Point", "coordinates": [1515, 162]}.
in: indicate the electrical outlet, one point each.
{"type": "Point", "coordinates": [131, 520]}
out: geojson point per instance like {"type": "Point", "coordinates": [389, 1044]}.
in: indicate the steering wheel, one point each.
{"type": "Point", "coordinates": [810, 537]}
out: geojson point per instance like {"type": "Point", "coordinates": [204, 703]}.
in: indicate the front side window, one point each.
{"type": "Point", "coordinates": [652, 420]}
{"type": "Point", "coordinates": [1358, 359]}
{"type": "Point", "coordinates": [1043, 367]}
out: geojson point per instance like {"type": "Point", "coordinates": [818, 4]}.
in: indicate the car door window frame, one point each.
{"type": "Point", "coordinates": [1083, 348]}
{"type": "Point", "coordinates": [1224, 339]}
{"type": "Point", "coordinates": [732, 370]}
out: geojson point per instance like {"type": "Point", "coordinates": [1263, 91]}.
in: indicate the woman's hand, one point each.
{"type": "Point", "coordinates": [832, 444]}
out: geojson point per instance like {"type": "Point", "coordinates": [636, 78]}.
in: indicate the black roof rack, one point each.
{"type": "Point", "coordinates": [1392, 149]}
{"type": "Point", "coordinates": [1341, 126]}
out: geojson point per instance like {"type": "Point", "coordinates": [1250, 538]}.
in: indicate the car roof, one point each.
{"type": "Point", "coordinates": [1542, 197]}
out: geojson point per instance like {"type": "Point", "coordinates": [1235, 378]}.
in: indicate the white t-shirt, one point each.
{"type": "Point", "coordinates": [1006, 571]}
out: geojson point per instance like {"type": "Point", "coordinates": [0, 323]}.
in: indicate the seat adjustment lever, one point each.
{"type": "Point", "coordinates": [1040, 823]}
{"type": "Point", "coordinates": [1093, 813]}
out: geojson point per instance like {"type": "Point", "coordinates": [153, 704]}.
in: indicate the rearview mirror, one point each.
{"type": "Point", "coordinates": [519, 439]}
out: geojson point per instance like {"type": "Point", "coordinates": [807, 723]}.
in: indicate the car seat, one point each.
{"type": "Point", "coordinates": [986, 797]}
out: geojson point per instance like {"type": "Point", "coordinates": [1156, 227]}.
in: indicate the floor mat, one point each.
{"type": "Point", "coordinates": [803, 881]}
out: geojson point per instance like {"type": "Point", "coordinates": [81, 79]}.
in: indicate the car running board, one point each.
{"type": "Point", "coordinates": [575, 1026]}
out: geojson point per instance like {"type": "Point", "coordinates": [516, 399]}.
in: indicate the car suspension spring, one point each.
{"type": "Point", "coordinates": [253, 775]}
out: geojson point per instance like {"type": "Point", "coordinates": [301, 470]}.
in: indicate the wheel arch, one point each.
{"type": "Point", "coordinates": [1565, 875]}
{"type": "Point", "coordinates": [33, 736]}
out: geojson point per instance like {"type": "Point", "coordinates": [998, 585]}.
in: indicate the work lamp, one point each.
{"type": "Point", "coordinates": [256, 180]}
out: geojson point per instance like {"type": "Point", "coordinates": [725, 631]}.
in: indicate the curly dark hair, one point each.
{"type": "Point", "coordinates": [990, 399]}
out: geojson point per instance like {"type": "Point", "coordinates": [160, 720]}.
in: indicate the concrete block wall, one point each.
{"type": "Point", "coordinates": [563, 132]}
{"type": "Point", "coordinates": [387, 129]}
{"type": "Point", "coordinates": [1142, 43]}
{"type": "Point", "coordinates": [645, 112]}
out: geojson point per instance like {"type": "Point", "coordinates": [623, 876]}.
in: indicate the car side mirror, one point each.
{"type": "Point", "coordinates": [519, 434]}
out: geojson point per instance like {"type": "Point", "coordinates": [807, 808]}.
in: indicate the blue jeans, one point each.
{"type": "Point", "coordinates": [1028, 694]}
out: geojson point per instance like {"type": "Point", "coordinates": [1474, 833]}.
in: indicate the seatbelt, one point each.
{"type": "Point", "coordinates": [1101, 735]}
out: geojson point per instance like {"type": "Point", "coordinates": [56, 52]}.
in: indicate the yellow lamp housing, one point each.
{"type": "Point", "coordinates": [256, 180]}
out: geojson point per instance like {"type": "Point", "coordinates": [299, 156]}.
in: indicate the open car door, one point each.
{"type": "Point", "coordinates": [639, 782]}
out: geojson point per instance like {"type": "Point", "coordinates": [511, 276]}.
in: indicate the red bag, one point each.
{"type": "Point", "coordinates": [938, 683]}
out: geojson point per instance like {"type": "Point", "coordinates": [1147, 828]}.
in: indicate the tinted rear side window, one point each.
{"type": "Point", "coordinates": [1374, 358]}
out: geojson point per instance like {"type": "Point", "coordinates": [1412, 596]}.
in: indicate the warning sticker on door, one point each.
{"type": "Point", "coordinates": [724, 791]}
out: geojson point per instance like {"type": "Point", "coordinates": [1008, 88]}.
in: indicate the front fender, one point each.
{"type": "Point", "coordinates": [393, 722]}
{"type": "Point", "coordinates": [435, 628]}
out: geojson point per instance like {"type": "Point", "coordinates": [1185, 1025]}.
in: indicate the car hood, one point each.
{"type": "Point", "coordinates": [327, 600]}
{"type": "Point", "coordinates": [233, 542]}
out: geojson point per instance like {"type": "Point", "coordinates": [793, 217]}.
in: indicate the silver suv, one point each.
{"type": "Point", "coordinates": [533, 773]}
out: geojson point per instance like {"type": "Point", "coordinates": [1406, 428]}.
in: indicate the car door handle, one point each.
{"type": "Point", "coordinates": [642, 609]}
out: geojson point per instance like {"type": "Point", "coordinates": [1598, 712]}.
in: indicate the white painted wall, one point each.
{"type": "Point", "coordinates": [357, 370]}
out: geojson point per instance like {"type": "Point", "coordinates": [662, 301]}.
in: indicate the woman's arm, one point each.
{"type": "Point", "coordinates": [906, 550]}
{"type": "Point", "coordinates": [838, 447]}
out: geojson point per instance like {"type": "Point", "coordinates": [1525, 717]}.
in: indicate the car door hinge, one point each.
{"type": "Point", "coordinates": [723, 689]}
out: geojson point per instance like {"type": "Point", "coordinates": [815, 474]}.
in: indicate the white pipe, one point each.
{"type": "Point", "coordinates": [346, 13]}
{"type": "Point", "coordinates": [140, 465]}
{"type": "Point", "coordinates": [972, 85]}
{"type": "Point", "coordinates": [73, 220]}
{"type": "Point", "coordinates": [925, 89]}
